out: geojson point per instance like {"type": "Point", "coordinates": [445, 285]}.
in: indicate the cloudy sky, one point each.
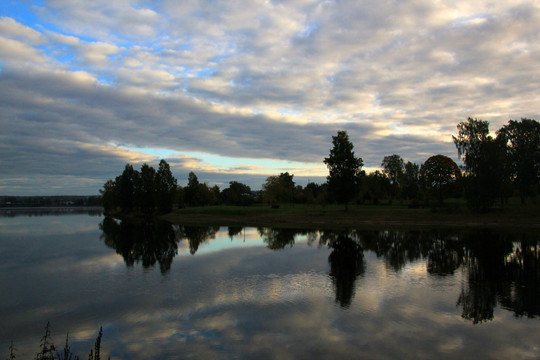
{"type": "Point", "coordinates": [240, 90]}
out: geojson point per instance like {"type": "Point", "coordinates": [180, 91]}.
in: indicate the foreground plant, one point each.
{"type": "Point", "coordinates": [48, 350]}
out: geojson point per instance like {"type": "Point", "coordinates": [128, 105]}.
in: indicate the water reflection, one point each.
{"type": "Point", "coordinates": [195, 235]}
{"type": "Point", "coordinates": [499, 269]}
{"type": "Point", "coordinates": [320, 295]}
{"type": "Point", "coordinates": [151, 241]}
{"type": "Point", "coordinates": [346, 264]}
{"type": "Point", "coordinates": [148, 242]}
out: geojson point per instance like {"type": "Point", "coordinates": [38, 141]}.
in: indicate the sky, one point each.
{"type": "Point", "coordinates": [240, 90]}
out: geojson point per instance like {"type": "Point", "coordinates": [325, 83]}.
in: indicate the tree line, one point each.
{"type": "Point", "coordinates": [494, 168]}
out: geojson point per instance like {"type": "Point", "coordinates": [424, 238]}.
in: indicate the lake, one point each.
{"type": "Point", "coordinates": [182, 292]}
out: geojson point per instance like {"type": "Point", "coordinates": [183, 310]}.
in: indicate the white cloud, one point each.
{"type": "Point", "coordinates": [236, 77]}
{"type": "Point", "coordinates": [12, 29]}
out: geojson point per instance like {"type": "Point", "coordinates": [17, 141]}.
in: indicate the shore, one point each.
{"type": "Point", "coordinates": [525, 217]}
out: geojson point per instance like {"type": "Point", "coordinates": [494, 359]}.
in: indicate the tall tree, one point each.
{"type": "Point", "coordinates": [145, 189]}
{"type": "Point", "coordinates": [484, 160]}
{"type": "Point", "coordinates": [523, 147]}
{"type": "Point", "coordinates": [471, 135]}
{"type": "Point", "coordinates": [165, 187]}
{"type": "Point", "coordinates": [109, 196]}
{"type": "Point", "coordinates": [199, 194]}
{"type": "Point", "coordinates": [411, 180]}
{"type": "Point", "coordinates": [126, 188]}
{"type": "Point", "coordinates": [191, 190]}
{"type": "Point", "coordinates": [393, 166]}
{"type": "Point", "coordinates": [344, 169]}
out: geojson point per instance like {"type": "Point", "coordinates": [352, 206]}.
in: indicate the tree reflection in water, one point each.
{"type": "Point", "coordinates": [196, 235]}
{"type": "Point", "coordinates": [346, 264]}
{"type": "Point", "coordinates": [151, 241]}
{"type": "Point", "coordinates": [148, 242]}
{"type": "Point", "coordinates": [499, 269]}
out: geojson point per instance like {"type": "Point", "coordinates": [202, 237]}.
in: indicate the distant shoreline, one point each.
{"type": "Point", "coordinates": [20, 210]}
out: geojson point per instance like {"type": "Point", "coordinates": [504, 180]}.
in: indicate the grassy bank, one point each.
{"type": "Point", "coordinates": [451, 214]}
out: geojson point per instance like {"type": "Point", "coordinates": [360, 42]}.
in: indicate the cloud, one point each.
{"type": "Point", "coordinates": [17, 31]}
{"type": "Point", "coordinates": [266, 80]}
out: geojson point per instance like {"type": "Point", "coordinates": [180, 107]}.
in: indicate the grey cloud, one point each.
{"type": "Point", "coordinates": [202, 77]}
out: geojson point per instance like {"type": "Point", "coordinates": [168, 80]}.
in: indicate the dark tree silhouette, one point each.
{"type": "Point", "coordinates": [523, 146]}
{"type": "Point", "coordinates": [237, 194]}
{"type": "Point", "coordinates": [126, 188]}
{"type": "Point", "coordinates": [145, 189]}
{"type": "Point", "coordinates": [411, 180]}
{"type": "Point", "coordinates": [109, 196]}
{"type": "Point", "coordinates": [279, 189]}
{"type": "Point", "coordinates": [393, 166]}
{"type": "Point", "coordinates": [344, 169]}
{"type": "Point", "coordinates": [198, 194]}
{"type": "Point", "coordinates": [165, 185]}
{"type": "Point", "coordinates": [140, 190]}
{"type": "Point", "coordinates": [485, 163]}
{"type": "Point", "coordinates": [438, 172]}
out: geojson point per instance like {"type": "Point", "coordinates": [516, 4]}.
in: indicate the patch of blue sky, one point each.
{"type": "Point", "coordinates": [307, 30]}
{"type": "Point", "coordinates": [20, 11]}
{"type": "Point", "coordinates": [397, 130]}
{"type": "Point", "coordinates": [271, 165]}
{"type": "Point", "coordinates": [157, 152]}
{"type": "Point", "coordinates": [63, 54]}
{"type": "Point", "coordinates": [205, 73]}
{"type": "Point", "coordinates": [25, 13]}
{"type": "Point", "coordinates": [289, 111]}
{"type": "Point", "coordinates": [472, 19]}
{"type": "Point", "coordinates": [186, 46]}
{"type": "Point", "coordinates": [200, 73]}
{"type": "Point", "coordinates": [218, 58]}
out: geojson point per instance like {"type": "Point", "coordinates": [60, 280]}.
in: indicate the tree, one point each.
{"type": "Point", "coordinates": [393, 166]}
{"type": "Point", "coordinates": [411, 180]}
{"type": "Point", "coordinates": [190, 191]}
{"type": "Point", "coordinates": [46, 345]}
{"type": "Point", "coordinates": [523, 148]}
{"type": "Point", "coordinates": [237, 194]}
{"type": "Point", "coordinates": [199, 194]}
{"type": "Point", "coordinates": [279, 189]}
{"type": "Point", "coordinates": [344, 169]}
{"type": "Point", "coordinates": [471, 135]}
{"type": "Point", "coordinates": [438, 172]}
{"type": "Point", "coordinates": [376, 186]}
{"type": "Point", "coordinates": [485, 163]}
{"type": "Point", "coordinates": [109, 196]}
{"type": "Point", "coordinates": [126, 188]}
{"type": "Point", "coordinates": [165, 187]}
{"type": "Point", "coordinates": [145, 189]}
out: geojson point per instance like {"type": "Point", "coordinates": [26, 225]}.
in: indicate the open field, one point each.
{"type": "Point", "coordinates": [452, 214]}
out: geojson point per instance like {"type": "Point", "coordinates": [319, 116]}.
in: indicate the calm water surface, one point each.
{"type": "Point", "coordinates": [163, 291]}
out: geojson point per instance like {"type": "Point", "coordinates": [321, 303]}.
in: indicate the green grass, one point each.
{"type": "Point", "coordinates": [453, 212]}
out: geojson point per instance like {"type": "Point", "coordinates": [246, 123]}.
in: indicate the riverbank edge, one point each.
{"type": "Point", "coordinates": [356, 217]}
